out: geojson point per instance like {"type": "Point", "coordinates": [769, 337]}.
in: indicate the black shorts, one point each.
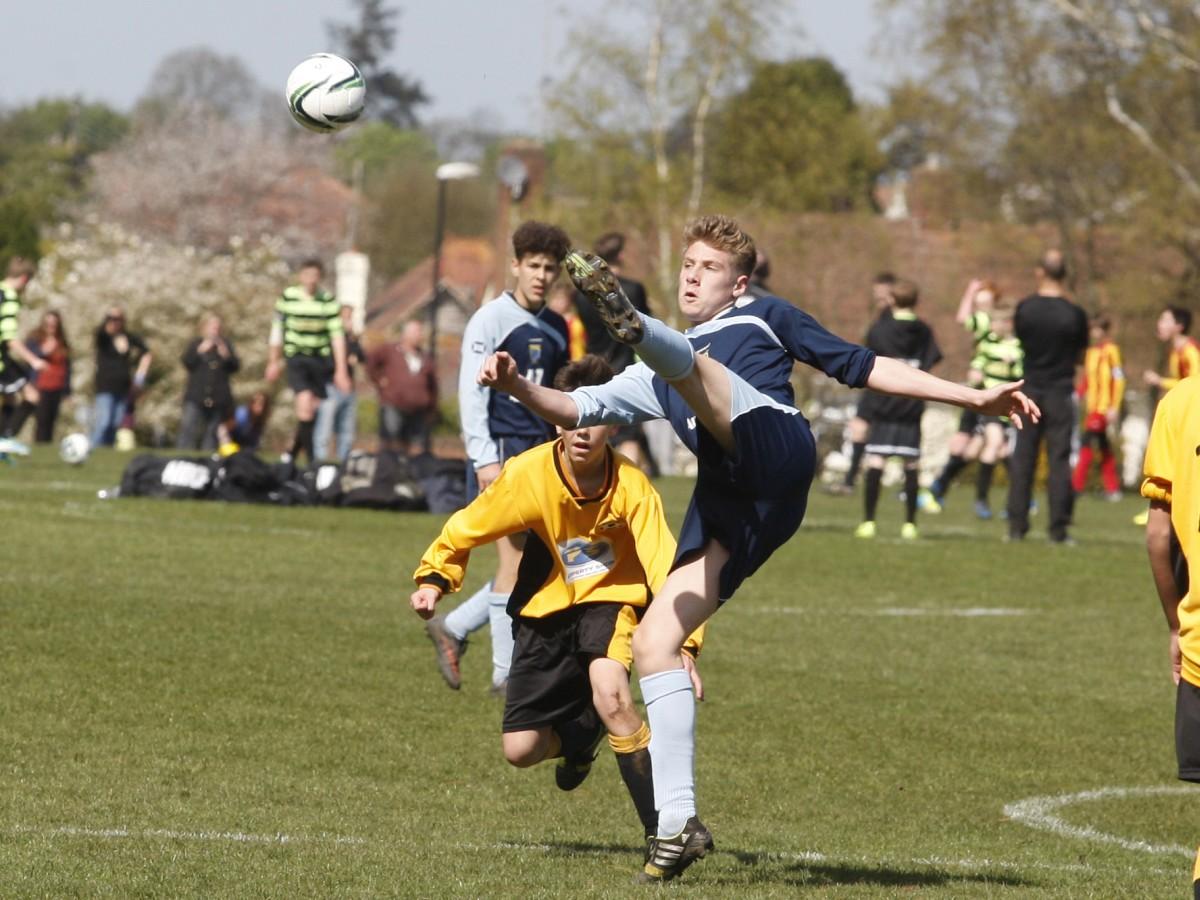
{"type": "Point", "coordinates": [1187, 731]}
{"type": "Point", "coordinates": [895, 439]}
{"type": "Point", "coordinates": [751, 505]}
{"type": "Point", "coordinates": [868, 406]}
{"type": "Point", "coordinates": [968, 422]}
{"type": "Point", "coordinates": [309, 373]}
{"type": "Point", "coordinates": [548, 682]}
{"type": "Point", "coordinates": [13, 375]}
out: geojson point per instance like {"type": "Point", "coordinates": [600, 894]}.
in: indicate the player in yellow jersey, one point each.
{"type": "Point", "coordinates": [1101, 389]}
{"type": "Point", "coordinates": [1173, 487]}
{"type": "Point", "coordinates": [1183, 352]}
{"type": "Point", "coordinates": [597, 549]}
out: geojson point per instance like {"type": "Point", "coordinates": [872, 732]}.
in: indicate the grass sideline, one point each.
{"type": "Point", "coordinates": [216, 700]}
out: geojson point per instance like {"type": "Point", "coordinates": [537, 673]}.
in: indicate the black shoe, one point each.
{"type": "Point", "coordinates": [596, 281]}
{"type": "Point", "coordinates": [668, 857]}
{"type": "Point", "coordinates": [570, 773]}
{"type": "Point", "coordinates": [448, 649]}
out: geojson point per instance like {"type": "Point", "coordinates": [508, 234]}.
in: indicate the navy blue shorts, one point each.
{"type": "Point", "coordinates": [509, 446]}
{"type": "Point", "coordinates": [751, 505]}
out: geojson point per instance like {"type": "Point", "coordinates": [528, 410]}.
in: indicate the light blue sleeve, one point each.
{"type": "Point", "coordinates": [628, 398]}
{"type": "Point", "coordinates": [480, 339]}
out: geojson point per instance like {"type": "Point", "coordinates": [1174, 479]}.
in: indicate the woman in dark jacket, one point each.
{"type": "Point", "coordinates": [207, 399]}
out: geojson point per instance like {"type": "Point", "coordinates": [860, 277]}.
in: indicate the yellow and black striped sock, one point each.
{"type": "Point", "coordinates": [633, 761]}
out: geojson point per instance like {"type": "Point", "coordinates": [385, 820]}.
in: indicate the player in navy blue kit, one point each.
{"type": "Point", "coordinates": [495, 428]}
{"type": "Point", "coordinates": [725, 387]}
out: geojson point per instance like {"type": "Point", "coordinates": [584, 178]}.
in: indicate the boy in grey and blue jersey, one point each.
{"type": "Point", "coordinates": [496, 428]}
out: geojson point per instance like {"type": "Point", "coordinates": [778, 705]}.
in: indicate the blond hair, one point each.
{"type": "Point", "coordinates": [723, 233]}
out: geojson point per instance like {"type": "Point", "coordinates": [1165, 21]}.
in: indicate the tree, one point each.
{"type": "Point", "coordinates": [201, 82]}
{"type": "Point", "coordinates": [45, 154]}
{"type": "Point", "coordinates": [1022, 89]}
{"type": "Point", "coordinates": [624, 91]}
{"type": "Point", "coordinates": [392, 98]}
{"type": "Point", "coordinates": [793, 138]}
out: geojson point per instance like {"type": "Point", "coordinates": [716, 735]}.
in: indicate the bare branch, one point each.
{"type": "Point", "coordinates": [1143, 136]}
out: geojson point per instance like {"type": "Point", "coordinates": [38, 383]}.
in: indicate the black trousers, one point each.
{"type": "Point", "coordinates": [1058, 418]}
{"type": "Point", "coordinates": [46, 415]}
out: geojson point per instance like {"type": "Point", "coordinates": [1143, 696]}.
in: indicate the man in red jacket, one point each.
{"type": "Point", "coordinates": [408, 391]}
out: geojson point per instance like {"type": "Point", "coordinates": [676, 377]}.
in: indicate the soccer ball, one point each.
{"type": "Point", "coordinates": [325, 92]}
{"type": "Point", "coordinates": [74, 448]}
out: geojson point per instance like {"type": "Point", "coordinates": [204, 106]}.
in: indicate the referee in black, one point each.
{"type": "Point", "coordinates": [1054, 335]}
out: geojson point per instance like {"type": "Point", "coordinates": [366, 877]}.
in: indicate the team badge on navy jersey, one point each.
{"type": "Point", "coordinates": [535, 352]}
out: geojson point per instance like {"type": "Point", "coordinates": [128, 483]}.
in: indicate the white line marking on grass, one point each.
{"type": "Point", "coordinates": [969, 612]}
{"type": "Point", "coordinates": [814, 856]}
{"type": "Point", "coordinates": [237, 837]}
{"type": "Point", "coordinates": [1040, 813]}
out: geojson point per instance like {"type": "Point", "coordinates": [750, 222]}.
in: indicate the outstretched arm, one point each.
{"type": "Point", "coordinates": [499, 371]}
{"type": "Point", "coordinates": [890, 376]}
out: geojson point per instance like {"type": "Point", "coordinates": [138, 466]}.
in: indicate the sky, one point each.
{"type": "Point", "coordinates": [470, 55]}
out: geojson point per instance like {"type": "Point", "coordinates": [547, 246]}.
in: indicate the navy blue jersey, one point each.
{"type": "Point", "coordinates": [758, 338]}
{"type": "Point", "coordinates": [538, 345]}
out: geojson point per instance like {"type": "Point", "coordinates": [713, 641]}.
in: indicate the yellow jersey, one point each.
{"type": "Point", "coordinates": [1173, 476]}
{"type": "Point", "coordinates": [1182, 362]}
{"type": "Point", "coordinates": [614, 547]}
{"type": "Point", "coordinates": [1104, 380]}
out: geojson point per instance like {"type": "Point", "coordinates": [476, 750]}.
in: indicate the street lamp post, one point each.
{"type": "Point", "coordinates": [451, 171]}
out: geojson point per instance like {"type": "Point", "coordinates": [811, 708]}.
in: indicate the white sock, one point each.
{"type": "Point", "coordinates": [664, 349]}
{"type": "Point", "coordinates": [671, 714]}
{"type": "Point", "coordinates": [502, 636]}
{"type": "Point", "coordinates": [471, 615]}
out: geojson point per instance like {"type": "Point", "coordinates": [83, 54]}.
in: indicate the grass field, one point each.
{"type": "Point", "coordinates": [211, 700]}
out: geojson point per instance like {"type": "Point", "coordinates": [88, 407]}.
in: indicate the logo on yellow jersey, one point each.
{"type": "Point", "coordinates": [586, 559]}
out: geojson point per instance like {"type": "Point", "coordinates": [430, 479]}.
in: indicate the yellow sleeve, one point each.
{"type": "Point", "coordinates": [652, 539]}
{"type": "Point", "coordinates": [503, 509]}
{"type": "Point", "coordinates": [656, 551]}
{"type": "Point", "coordinates": [1159, 467]}
{"type": "Point", "coordinates": [1118, 376]}
{"type": "Point", "coordinates": [1190, 364]}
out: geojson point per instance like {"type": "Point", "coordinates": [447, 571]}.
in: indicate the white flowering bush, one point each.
{"type": "Point", "coordinates": [166, 291]}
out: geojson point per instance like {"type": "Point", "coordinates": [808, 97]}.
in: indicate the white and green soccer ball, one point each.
{"type": "Point", "coordinates": [74, 448]}
{"type": "Point", "coordinates": [326, 92]}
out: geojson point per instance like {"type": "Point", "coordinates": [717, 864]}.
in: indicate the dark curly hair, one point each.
{"type": "Point", "coordinates": [539, 237]}
{"type": "Point", "coordinates": [583, 372]}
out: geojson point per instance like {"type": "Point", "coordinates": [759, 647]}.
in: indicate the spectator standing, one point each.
{"type": "Point", "coordinates": [48, 342]}
{"type": "Point", "coordinates": [122, 362]}
{"type": "Point", "coordinates": [1054, 335]}
{"type": "Point", "coordinates": [337, 416]}
{"type": "Point", "coordinates": [207, 399]}
{"type": "Point", "coordinates": [406, 382]}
